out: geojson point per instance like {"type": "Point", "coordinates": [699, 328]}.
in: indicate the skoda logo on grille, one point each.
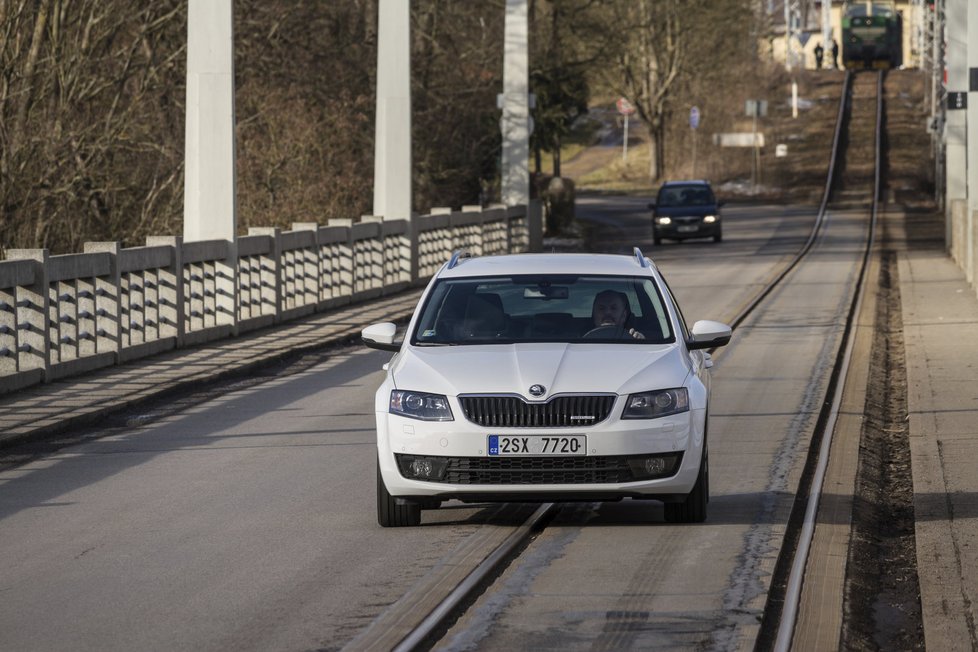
{"type": "Point", "coordinates": [537, 390]}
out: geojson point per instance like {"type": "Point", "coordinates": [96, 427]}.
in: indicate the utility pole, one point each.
{"type": "Point", "coordinates": [955, 126]}
{"type": "Point", "coordinates": [826, 28]}
{"type": "Point", "coordinates": [209, 201]}
{"type": "Point", "coordinates": [971, 155]}
{"type": "Point", "coordinates": [792, 33]}
{"type": "Point", "coordinates": [938, 115]}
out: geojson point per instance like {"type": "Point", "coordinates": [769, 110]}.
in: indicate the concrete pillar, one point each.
{"type": "Point", "coordinates": [392, 144]}
{"type": "Point", "coordinates": [209, 204]}
{"type": "Point", "coordinates": [955, 129]}
{"type": "Point", "coordinates": [516, 106]}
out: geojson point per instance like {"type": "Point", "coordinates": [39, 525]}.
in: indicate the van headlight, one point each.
{"type": "Point", "coordinates": [420, 405]}
{"type": "Point", "coordinates": [661, 403]}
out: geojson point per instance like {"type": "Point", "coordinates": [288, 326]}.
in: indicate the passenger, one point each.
{"type": "Point", "coordinates": [610, 308]}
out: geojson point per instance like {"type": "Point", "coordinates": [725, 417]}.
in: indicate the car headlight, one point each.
{"type": "Point", "coordinates": [709, 219]}
{"type": "Point", "coordinates": [664, 220]}
{"type": "Point", "coordinates": [661, 403]}
{"type": "Point", "coordinates": [419, 405]}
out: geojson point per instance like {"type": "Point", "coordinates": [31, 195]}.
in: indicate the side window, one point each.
{"type": "Point", "coordinates": [679, 312]}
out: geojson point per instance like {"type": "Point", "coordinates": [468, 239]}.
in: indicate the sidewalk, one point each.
{"type": "Point", "coordinates": [83, 400]}
{"type": "Point", "coordinates": [940, 326]}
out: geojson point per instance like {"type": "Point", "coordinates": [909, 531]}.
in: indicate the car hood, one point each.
{"type": "Point", "coordinates": [677, 211]}
{"type": "Point", "coordinates": [560, 368]}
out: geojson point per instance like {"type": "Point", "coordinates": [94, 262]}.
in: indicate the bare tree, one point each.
{"type": "Point", "coordinates": [83, 120]}
{"type": "Point", "coordinates": [654, 38]}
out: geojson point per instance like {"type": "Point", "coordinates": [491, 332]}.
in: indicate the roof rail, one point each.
{"type": "Point", "coordinates": [640, 257]}
{"type": "Point", "coordinates": [457, 257]}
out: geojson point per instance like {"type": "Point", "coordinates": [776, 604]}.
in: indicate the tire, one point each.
{"type": "Point", "coordinates": [718, 237]}
{"type": "Point", "coordinates": [656, 239]}
{"type": "Point", "coordinates": [389, 513]}
{"type": "Point", "coordinates": [693, 509]}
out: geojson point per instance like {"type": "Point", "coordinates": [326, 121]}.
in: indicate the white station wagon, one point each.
{"type": "Point", "coordinates": [544, 377]}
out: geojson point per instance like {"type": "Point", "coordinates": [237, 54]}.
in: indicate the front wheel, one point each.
{"type": "Point", "coordinates": [693, 508]}
{"type": "Point", "coordinates": [389, 513]}
{"type": "Point", "coordinates": [718, 237]}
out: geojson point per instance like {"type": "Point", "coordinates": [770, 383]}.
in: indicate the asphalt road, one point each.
{"type": "Point", "coordinates": [247, 522]}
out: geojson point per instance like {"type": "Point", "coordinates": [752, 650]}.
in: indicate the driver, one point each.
{"type": "Point", "coordinates": [611, 309]}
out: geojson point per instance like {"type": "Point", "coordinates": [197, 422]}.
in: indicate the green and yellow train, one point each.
{"type": "Point", "coordinates": [872, 35]}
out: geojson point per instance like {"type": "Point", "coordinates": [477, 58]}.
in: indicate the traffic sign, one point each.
{"type": "Point", "coordinates": [694, 117]}
{"type": "Point", "coordinates": [624, 106]}
{"type": "Point", "coordinates": [756, 108]}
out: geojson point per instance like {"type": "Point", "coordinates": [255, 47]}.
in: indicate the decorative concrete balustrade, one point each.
{"type": "Point", "coordinates": [69, 314]}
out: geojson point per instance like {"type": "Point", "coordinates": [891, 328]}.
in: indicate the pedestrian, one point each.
{"type": "Point", "coordinates": [819, 52]}
{"type": "Point", "coordinates": [835, 54]}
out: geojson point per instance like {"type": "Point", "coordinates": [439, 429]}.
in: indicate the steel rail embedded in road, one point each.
{"type": "Point", "coordinates": [450, 606]}
{"type": "Point", "coordinates": [830, 411]}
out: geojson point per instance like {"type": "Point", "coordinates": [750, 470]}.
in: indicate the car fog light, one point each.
{"type": "Point", "coordinates": [655, 466]}
{"type": "Point", "coordinates": [422, 468]}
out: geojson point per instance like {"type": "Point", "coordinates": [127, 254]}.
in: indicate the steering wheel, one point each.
{"type": "Point", "coordinates": [604, 332]}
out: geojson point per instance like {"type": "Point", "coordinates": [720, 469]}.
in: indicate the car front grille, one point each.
{"type": "Point", "coordinates": [559, 412]}
{"type": "Point", "coordinates": [537, 470]}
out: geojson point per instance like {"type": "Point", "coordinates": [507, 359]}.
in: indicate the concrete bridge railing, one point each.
{"type": "Point", "coordinates": [70, 314]}
{"type": "Point", "coordinates": [963, 239]}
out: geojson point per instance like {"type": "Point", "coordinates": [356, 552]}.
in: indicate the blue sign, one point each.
{"type": "Point", "coordinates": [694, 117]}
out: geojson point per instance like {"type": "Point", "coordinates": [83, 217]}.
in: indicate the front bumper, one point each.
{"type": "Point", "coordinates": [691, 228]}
{"type": "Point", "coordinates": [602, 474]}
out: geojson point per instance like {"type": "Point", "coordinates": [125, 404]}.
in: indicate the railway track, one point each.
{"type": "Point", "coordinates": [418, 621]}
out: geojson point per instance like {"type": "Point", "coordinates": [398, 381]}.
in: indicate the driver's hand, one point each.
{"type": "Point", "coordinates": [635, 334]}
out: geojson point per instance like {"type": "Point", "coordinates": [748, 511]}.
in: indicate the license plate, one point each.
{"type": "Point", "coordinates": [502, 445]}
{"type": "Point", "coordinates": [688, 229]}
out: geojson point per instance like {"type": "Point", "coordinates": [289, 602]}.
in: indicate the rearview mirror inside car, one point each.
{"type": "Point", "coordinates": [546, 292]}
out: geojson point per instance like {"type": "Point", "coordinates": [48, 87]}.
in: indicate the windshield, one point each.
{"type": "Point", "coordinates": [544, 308]}
{"type": "Point", "coordinates": [861, 9]}
{"type": "Point", "coordinates": [685, 196]}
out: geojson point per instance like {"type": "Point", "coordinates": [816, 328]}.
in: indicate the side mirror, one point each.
{"type": "Point", "coordinates": [380, 336]}
{"type": "Point", "coordinates": [708, 334]}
